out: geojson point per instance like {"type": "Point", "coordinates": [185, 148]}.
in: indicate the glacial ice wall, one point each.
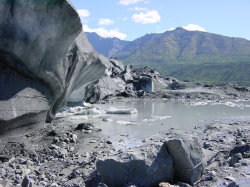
{"type": "Point", "coordinates": [44, 56]}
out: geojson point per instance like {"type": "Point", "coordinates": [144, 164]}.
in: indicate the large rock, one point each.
{"type": "Point", "coordinates": [180, 157]}
{"type": "Point", "coordinates": [188, 157]}
{"type": "Point", "coordinates": [143, 166]}
{"type": "Point", "coordinates": [40, 62]}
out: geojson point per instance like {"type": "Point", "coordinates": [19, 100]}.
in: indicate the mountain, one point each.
{"type": "Point", "coordinates": [185, 47]}
{"type": "Point", "coordinates": [191, 55]}
{"type": "Point", "coordinates": [106, 46]}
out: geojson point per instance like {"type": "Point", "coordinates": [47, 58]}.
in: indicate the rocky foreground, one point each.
{"type": "Point", "coordinates": [46, 61]}
{"type": "Point", "coordinates": [78, 155]}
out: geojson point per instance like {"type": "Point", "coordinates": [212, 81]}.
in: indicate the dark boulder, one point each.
{"type": "Point", "coordinates": [143, 166]}
{"type": "Point", "coordinates": [188, 157]}
{"type": "Point", "coordinates": [243, 149]}
{"type": "Point", "coordinates": [84, 126]}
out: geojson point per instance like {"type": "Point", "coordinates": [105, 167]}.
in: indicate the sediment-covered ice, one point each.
{"type": "Point", "coordinates": [79, 110]}
{"type": "Point", "coordinates": [113, 110]}
{"type": "Point", "coordinates": [45, 56]}
{"type": "Point", "coordinates": [155, 118]}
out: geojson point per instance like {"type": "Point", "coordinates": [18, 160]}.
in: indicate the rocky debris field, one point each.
{"type": "Point", "coordinates": [231, 142]}
{"type": "Point", "coordinates": [71, 154]}
{"type": "Point", "coordinates": [128, 82]}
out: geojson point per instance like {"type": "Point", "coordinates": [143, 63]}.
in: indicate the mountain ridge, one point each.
{"type": "Point", "coordinates": [106, 46]}
{"type": "Point", "coordinates": [181, 45]}
{"type": "Point", "coordinates": [172, 52]}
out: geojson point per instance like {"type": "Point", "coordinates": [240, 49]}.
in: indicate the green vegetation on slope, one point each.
{"type": "Point", "coordinates": [195, 56]}
{"type": "Point", "coordinates": [188, 47]}
{"type": "Point", "coordinates": [238, 73]}
{"type": "Point", "coordinates": [187, 55]}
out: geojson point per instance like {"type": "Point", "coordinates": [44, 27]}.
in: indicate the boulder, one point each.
{"type": "Point", "coordinates": [44, 57]}
{"type": "Point", "coordinates": [243, 149]}
{"type": "Point", "coordinates": [234, 159]}
{"type": "Point", "coordinates": [26, 182]}
{"type": "Point", "coordinates": [147, 165]}
{"type": "Point", "coordinates": [188, 157]}
{"type": "Point", "coordinates": [84, 126]}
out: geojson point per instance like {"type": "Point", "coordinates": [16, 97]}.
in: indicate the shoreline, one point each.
{"type": "Point", "coordinates": [59, 150]}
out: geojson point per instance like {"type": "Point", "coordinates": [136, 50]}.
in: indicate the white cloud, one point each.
{"type": "Point", "coordinates": [190, 27]}
{"type": "Point", "coordinates": [147, 17]}
{"type": "Point", "coordinates": [171, 29]}
{"type": "Point", "coordinates": [138, 9]}
{"type": "Point", "coordinates": [83, 13]}
{"type": "Point", "coordinates": [129, 2]}
{"type": "Point", "coordinates": [124, 18]}
{"type": "Point", "coordinates": [105, 21]}
{"type": "Point", "coordinates": [105, 32]}
{"type": "Point", "coordinates": [193, 27]}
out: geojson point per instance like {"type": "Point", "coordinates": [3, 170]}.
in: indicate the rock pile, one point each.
{"type": "Point", "coordinates": [230, 166]}
{"type": "Point", "coordinates": [126, 81]}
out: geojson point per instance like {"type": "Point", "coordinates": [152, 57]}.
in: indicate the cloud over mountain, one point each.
{"type": "Point", "coordinates": [193, 27]}
{"type": "Point", "coordinates": [148, 17]}
{"type": "Point", "coordinates": [106, 33]}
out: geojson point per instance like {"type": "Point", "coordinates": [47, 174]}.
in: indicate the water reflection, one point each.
{"type": "Point", "coordinates": [157, 115]}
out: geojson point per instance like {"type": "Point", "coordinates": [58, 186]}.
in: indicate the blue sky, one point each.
{"type": "Point", "coordinates": [130, 19]}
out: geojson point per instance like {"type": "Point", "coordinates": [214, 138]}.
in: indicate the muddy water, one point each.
{"type": "Point", "coordinates": [156, 115]}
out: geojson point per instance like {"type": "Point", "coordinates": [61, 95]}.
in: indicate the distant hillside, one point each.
{"type": "Point", "coordinates": [191, 55]}
{"type": "Point", "coordinates": [106, 46]}
{"type": "Point", "coordinates": [185, 47]}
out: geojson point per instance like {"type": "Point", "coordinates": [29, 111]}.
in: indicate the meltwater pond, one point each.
{"type": "Point", "coordinates": [153, 116]}
{"type": "Point", "coordinates": [156, 115]}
